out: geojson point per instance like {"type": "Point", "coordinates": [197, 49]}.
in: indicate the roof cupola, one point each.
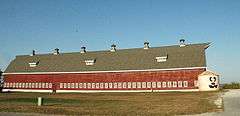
{"type": "Point", "coordinates": [83, 49]}
{"type": "Point", "coordinates": [56, 51]}
{"type": "Point", "coordinates": [182, 42]}
{"type": "Point", "coordinates": [146, 45]}
{"type": "Point", "coordinates": [113, 48]}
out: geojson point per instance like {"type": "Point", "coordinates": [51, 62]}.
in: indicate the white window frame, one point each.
{"type": "Point", "coordinates": [110, 85]}
{"type": "Point", "coordinates": [139, 85]}
{"type": "Point", "coordinates": [174, 84]}
{"type": "Point", "coordinates": [80, 85]}
{"type": "Point", "coordinates": [180, 84]}
{"type": "Point", "coordinates": [124, 85]}
{"type": "Point", "coordinates": [169, 84]}
{"type": "Point", "coordinates": [115, 85]}
{"type": "Point", "coordinates": [164, 84]}
{"type": "Point", "coordinates": [144, 85]}
{"type": "Point", "coordinates": [93, 86]}
{"type": "Point", "coordinates": [149, 84]}
{"type": "Point", "coordinates": [185, 83]}
{"type": "Point", "coordinates": [119, 85]}
{"type": "Point", "coordinates": [89, 85]}
{"type": "Point", "coordinates": [159, 85]}
{"type": "Point", "coordinates": [106, 85]}
{"type": "Point", "coordinates": [129, 85]}
{"type": "Point", "coordinates": [154, 85]}
{"type": "Point", "coordinates": [134, 84]}
{"type": "Point", "coordinates": [97, 85]}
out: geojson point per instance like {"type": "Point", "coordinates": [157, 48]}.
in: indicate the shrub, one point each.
{"type": "Point", "coordinates": [232, 85]}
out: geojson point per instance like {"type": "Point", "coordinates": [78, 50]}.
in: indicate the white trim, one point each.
{"type": "Point", "coordinates": [96, 91]}
{"type": "Point", "coordinates": [26, 90]}
{"type": "Point", "coordinates": [168, 69]}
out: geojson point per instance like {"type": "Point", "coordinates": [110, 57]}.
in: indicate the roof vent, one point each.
{"type": "Point", "coordinates": [182, 42]}
{"type": "Point", "coordinates": [56, 51]}
{"type": "Point", "coordinates": [113, 48]}
{"type": "Point", "coordinates": [90, 61]}
{"type": "Point", "coordinates": [33, 53]}
{"type": "Point", "coordinates": [33, 64]}
{"type": "Point", "coordinates": [146, 45]}
{"type": "Point", "coordinates": [83, 50]}
{"type": "Point", "coordinates": [161, 58]}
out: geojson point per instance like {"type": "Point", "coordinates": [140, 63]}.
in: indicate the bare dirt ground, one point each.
{"type": "Point", "coordinates": [231, 104]}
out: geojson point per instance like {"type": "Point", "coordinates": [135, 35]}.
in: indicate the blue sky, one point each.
{"type": "Point", "coordinates": [68, 24]}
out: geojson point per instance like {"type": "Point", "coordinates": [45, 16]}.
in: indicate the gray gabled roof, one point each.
{"type": "Point", "coordinates": [192, 55]}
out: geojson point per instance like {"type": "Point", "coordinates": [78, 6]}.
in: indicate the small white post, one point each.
{"type": "Point", "coordinates": [39, 101]}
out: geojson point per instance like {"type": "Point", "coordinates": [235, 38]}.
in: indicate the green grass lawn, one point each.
{"type": "Point", "coordinates": [110, 103]}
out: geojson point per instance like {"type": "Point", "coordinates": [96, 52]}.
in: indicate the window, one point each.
{"type": "Point", "coordinates": [119, 85]}
{"type": "Point", "coordinates": [138, 84]}
{"type": "Point", "coordinates": [33, 85]}
{"type": "Point", "coordinates": [47, 85]}
{"type": "Point", "coordinates": [64, 85]}
{"type": "Point", "coordinates": [80, 85]}
{"type": "Point", "coordinates": [84, 85]}
{"type": "Point", "coordinates": [124, 85]}
{"type": "Point", "coordinates": [76, 85]}
{"type": "Point", "coordinates": [129, 85]}
{"type": "Point", "coordinates": [143, 84]}
{"type": "Point", "coordinates": [179, 83]}
{"type": "Point", "coordinates": [72, 85]}
{"type": "Point", "coordinates": [26, 85]}
{"type": "Point", "coordinates": [161, 58]}
{"type": "Point", "coordinates": [16, 85]}
{"type": "Point", "coordinates": [115, 85]}
{"type": "Point", "coordinates": [89, 85]}
{"type": "Point", "coordinates": [50, 85]}
{"type": "Point", "coordinates": [134, 84]}
{"type": "Point", "coordinates": [36, 85]}
{"type": "Point", "coordinates": [39, 85]}
{"type": "Point", "coordinates": [149, 85]}
{"type": "Point", "coordinates": [158, 84]}
{"type": "Point", "coordinates": [154, 84]}
{"type": "Point", "coordinates": [93, 85]}
{"type": "Point", "coordinates": [169, 84]}
{"type": "Point", "coordinates": [43, 85]}
{"type": "Point", "coordinates": [101, 85]}
{"type": "Point", "coordinates": [110, 85]}
{"type": "Point", "coordinates": [97, 85]}
{"type": "Point", "coordinates": [20, 85]}
{"type": "Point", "coordinates": [185, 84]}
{"type": "Point", "coordinates": [164, 84]}
{"type": "Point", "coordinates": [61, 85]}
{"type": "Point", "coordinates": [174, 84]}
{"type": "Point", "coordinates": [106, 85]}
{"type": "Point", "coordinates": [90, 62]}
{"type": "Point", "coordinates": [5, 85]}
{"type": "Point", "coordinates": [69, 85]}
{"type": "Point", "coordinates": [23, 85]}
{"type": "Point", "coordinates": [10, 85]}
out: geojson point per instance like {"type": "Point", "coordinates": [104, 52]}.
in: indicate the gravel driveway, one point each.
{"type": "Point", "coordinates": [231, 100]}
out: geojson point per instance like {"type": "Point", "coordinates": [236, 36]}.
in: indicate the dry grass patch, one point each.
{"type": "Point", "coordinates": [110, 103]}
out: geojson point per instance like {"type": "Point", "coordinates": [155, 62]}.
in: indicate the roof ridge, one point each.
{"type": "Point", "coordinates": [206, 43]}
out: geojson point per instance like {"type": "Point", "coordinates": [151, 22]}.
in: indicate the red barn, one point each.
{"type": "Point", "coordinates": [147, 69]}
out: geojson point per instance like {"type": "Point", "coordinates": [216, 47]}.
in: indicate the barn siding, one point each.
{"type": "Point", "coordinates": [189, 75]}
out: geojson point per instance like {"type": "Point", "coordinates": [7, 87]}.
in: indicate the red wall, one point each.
{"type": "Point", "coordinates": [146, 76]}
